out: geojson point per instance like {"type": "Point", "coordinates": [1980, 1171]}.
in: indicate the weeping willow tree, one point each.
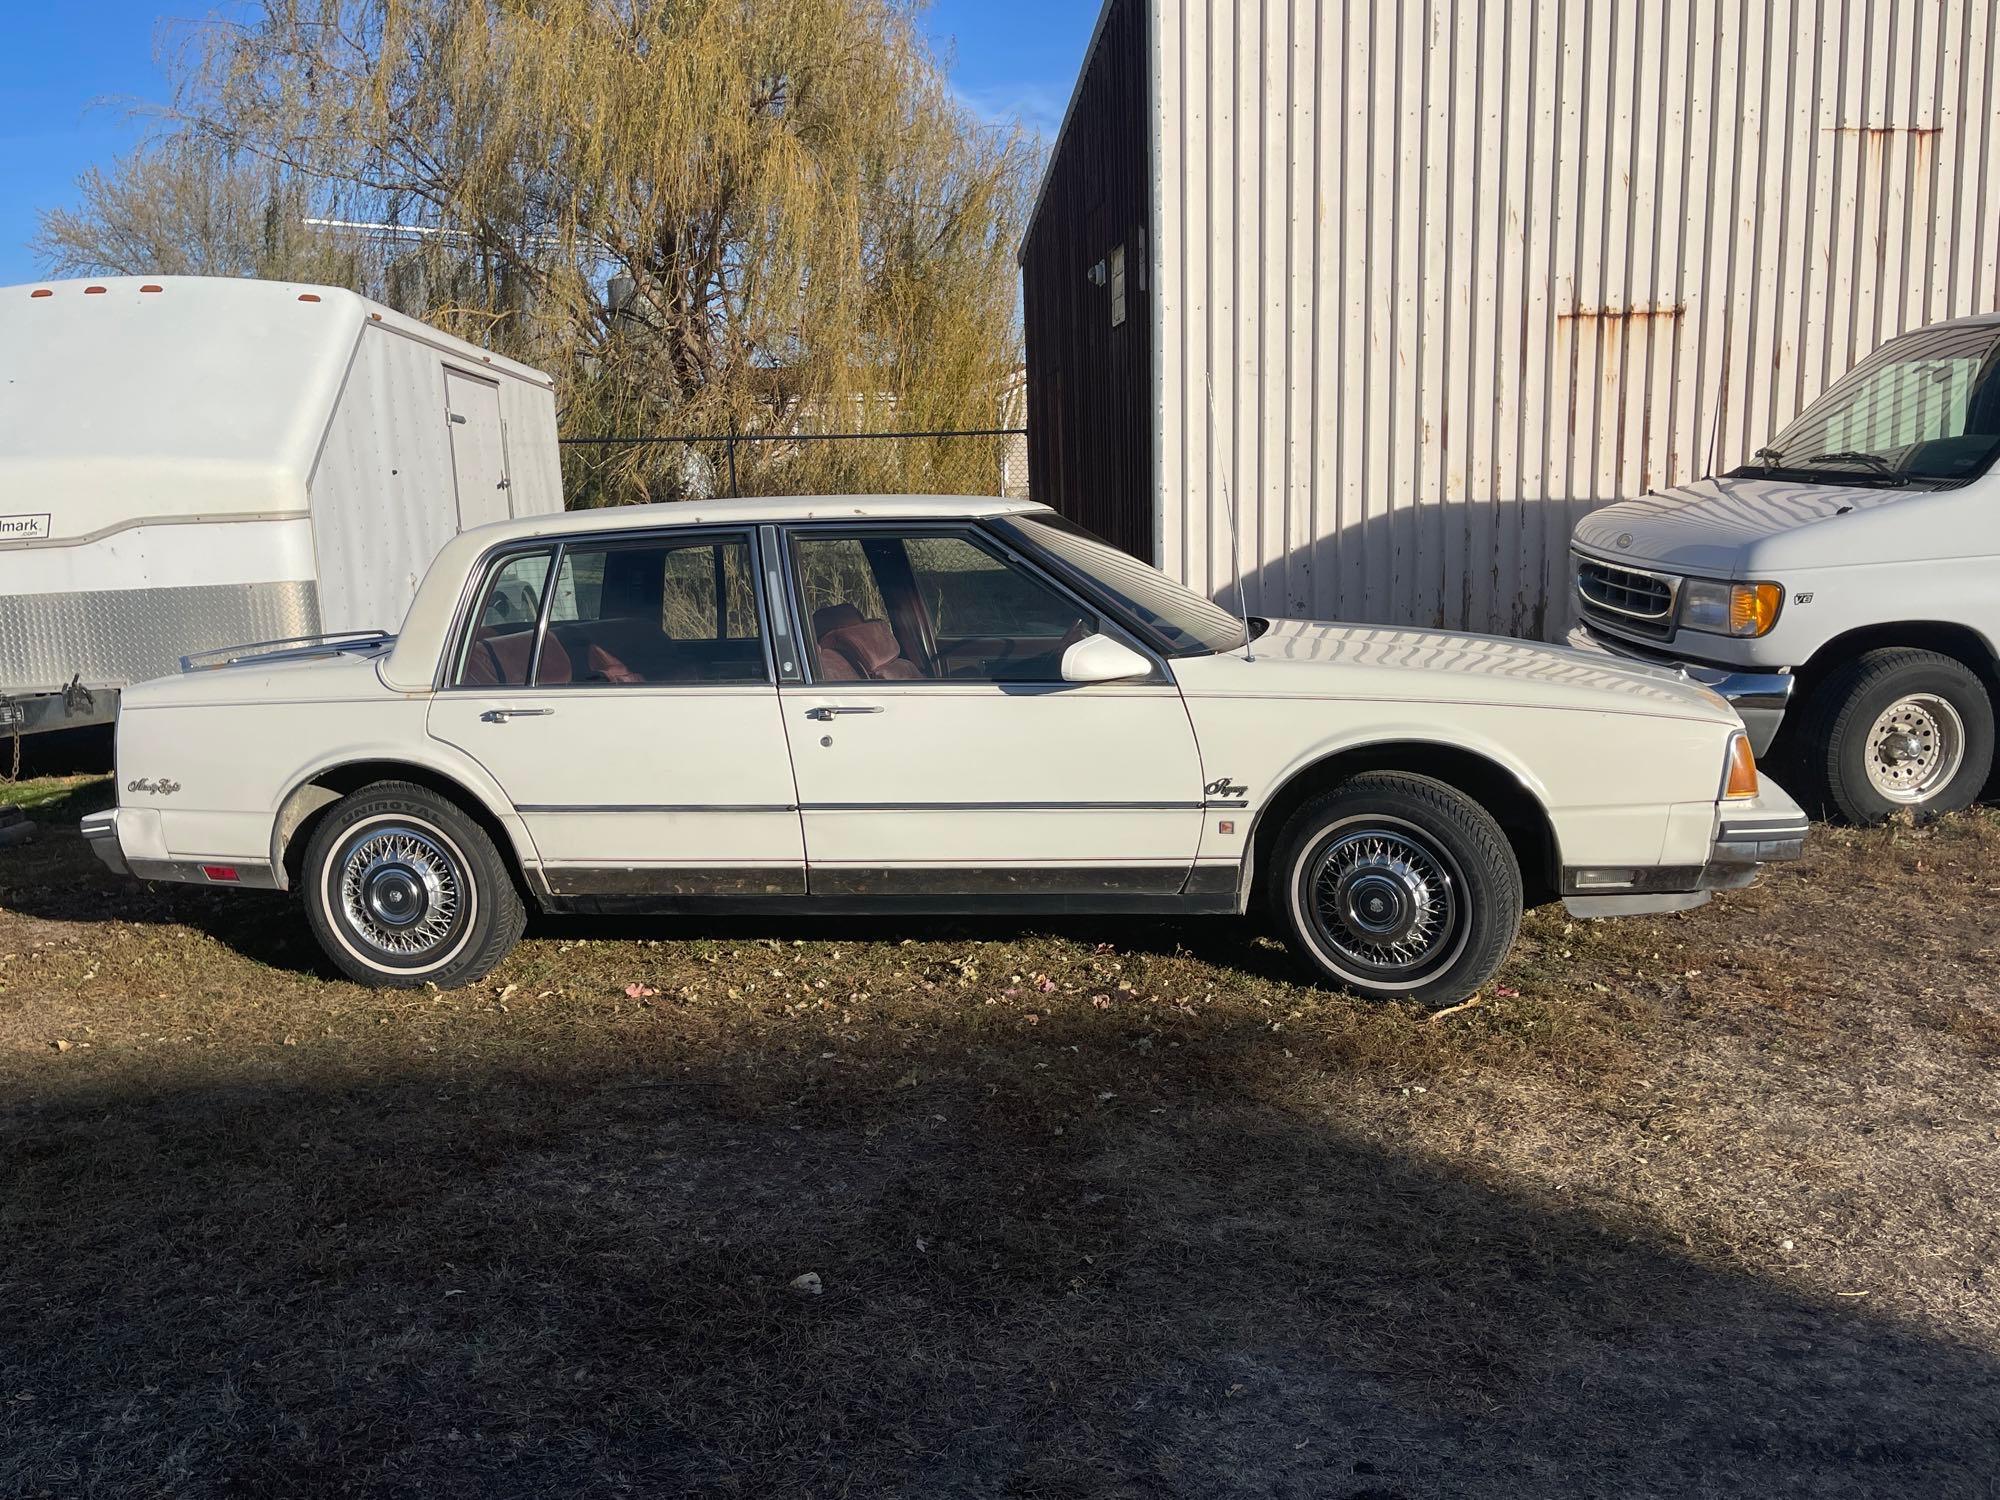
{"type": "Point", "coordinates": [766, 217]}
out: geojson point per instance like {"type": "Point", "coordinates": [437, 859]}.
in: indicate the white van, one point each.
{"type": "Point", "coordinates": [189, 463]}
{"type": "Point", "coordinates": [1843, 589]}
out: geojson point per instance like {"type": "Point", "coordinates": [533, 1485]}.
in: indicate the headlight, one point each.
{"type": "Point", "coordinates": [1741, 609]}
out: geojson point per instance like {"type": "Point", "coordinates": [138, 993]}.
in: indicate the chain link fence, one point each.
{"type": "Point", "coordinates": [700, 466]}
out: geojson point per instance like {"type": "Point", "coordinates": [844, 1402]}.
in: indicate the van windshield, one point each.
{"type": "Point", "coordinates": [1922, 409]}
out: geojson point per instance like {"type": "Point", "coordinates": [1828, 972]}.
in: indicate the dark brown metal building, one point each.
{"type": "Point", "coordinates": [1086, 308]}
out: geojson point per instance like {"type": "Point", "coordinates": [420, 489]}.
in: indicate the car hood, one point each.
{"type": "Point", "coordinates": [1303, 658]}
{"type": "Point", "coordinates": [1709, 527]}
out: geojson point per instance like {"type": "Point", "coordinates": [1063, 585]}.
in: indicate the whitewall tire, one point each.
{"type": "Point", "coordinates": [403, 889]}
{"type": "Point", "coordinates": [1397, 887]}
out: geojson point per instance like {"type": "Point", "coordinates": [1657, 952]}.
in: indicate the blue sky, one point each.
{"type": "Point", "coordinates": [69, 74]}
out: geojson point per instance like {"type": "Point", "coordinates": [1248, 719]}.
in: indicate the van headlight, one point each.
{"type": "Point", "coordinates": [1739, 609]}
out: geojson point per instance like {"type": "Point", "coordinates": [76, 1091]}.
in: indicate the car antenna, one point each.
{"type": "Point", "coordinates": [1229, 508]}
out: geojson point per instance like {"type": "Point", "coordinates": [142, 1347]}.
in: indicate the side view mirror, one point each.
{"type": "Point", "coordinates": [1098, 658]}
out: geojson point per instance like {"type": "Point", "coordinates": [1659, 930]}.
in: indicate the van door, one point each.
{"type": "Point", "coordinates": [478, 448]}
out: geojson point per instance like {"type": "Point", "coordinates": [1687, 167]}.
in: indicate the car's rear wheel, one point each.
{"type": "Point", "coordinates": [403, 889]}
{"type": "Point", "coordinates": [1900, 729]}
{"type": "Point", "coordinates": [1398, 887]}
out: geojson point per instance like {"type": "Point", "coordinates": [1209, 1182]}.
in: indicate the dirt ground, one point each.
{"type": "Point", "coordinates": [1702, 1205]}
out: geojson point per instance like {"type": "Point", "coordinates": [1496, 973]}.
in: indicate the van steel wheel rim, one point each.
{"type": "Point", "coordinates": [1916, 748]}
{"type": "Point", "coordinates": [400, 891]}
{"type": "Point", "coordinates": [1388, 901]}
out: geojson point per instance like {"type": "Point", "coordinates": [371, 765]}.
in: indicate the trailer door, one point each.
{"type": "Point", "coordinates": [478, 448]}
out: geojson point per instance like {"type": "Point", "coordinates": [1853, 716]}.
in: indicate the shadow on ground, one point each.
{"type": "Point", "coordinates": [518, 1281]}
{"type": "Point", "coordinates": [66, 884]}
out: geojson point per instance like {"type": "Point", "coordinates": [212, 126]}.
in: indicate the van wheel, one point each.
{"type": "Point", "coordinates": [1398, 887]}
{"type": "Point", "coordinates": [403, 889]}
{"type": "Point", "coordinates": [1899, 729]}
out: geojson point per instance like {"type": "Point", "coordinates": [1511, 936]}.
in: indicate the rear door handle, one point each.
{"type": "Point", "coordinates": [502, 715]}
{"type": "Point", "coordinates": [825, 714]}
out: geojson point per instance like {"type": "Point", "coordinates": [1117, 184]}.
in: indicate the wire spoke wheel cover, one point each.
{"type": "Point", "coordinates": [399, 893]}
{"type": "Point", "coordinates": [1915, 748]}
{"type": "Point", "coordinates": [1386, 901]}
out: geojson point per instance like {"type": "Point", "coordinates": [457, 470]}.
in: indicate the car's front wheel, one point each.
{"type": "Point", "coordinates": [1398, 887]}
{"type": "Point", "coordinates": [403, 889]}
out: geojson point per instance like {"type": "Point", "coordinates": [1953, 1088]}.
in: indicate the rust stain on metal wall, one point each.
{"type": "Point", "coordinates": [1656, 312]}
{"type": "Point", "coordinates": [1918, 132]}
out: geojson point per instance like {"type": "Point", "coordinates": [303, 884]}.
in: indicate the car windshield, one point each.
{"type": "Point", "coordinates": [1184, 623]}
{"type": "Point", "coordinates": [1924, 408]}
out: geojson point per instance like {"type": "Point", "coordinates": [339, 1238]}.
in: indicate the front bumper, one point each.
{"type": "Point", "coordinates": [1759, 698]}
{"type": "Point", "coordinates": [1769, 828]}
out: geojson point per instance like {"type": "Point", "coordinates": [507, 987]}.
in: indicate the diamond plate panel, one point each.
{"type": "Point", "coordinates": [121, 636]}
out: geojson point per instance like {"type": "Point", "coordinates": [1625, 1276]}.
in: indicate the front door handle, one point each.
{"type": "Point", "coordinates": [502, 715]}
{"type": "Point", "coordinates": [825, 715]}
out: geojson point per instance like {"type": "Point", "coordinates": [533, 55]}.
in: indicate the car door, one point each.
{"type": "Point", "coordinates": [620, 690]}
{"type": "Point", "coordinates": [937, 749]}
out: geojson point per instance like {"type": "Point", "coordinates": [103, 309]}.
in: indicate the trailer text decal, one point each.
{"type": "Point", "coordinates": [23, 528]}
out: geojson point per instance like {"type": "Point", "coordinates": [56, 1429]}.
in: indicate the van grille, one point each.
{"type": "Point", "coordinates": [1626, 598]}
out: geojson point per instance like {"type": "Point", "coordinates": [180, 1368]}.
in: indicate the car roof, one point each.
{"type": "Point", "coordinates": [761, 510]}
{"type": "Point", "coordinates": [411, 665]}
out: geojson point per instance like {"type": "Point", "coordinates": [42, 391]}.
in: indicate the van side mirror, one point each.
{"type": "Point", "coordinates": [1098, 658]}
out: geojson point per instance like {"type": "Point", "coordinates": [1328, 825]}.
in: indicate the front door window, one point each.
{"type": "Point", "coordinates": [931, 606]}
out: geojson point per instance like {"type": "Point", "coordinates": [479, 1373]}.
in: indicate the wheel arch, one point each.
{"type": "Point", "coordinates": [1494, 785]}
{"type": "Point", "coordinates": [1961, 642]}
{"type": "Point", "coordinates": [314, 792]}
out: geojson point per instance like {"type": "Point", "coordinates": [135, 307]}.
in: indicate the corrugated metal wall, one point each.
{"type": "Point", "coordinates": [1458, 269]}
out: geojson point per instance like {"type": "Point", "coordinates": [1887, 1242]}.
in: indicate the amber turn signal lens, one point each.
{"type": "Point", "coordinates": [1742, 778]}
{"type": "Point", "coordinates": [1753, 608]}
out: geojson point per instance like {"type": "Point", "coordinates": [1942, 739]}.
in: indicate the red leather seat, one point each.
{"type": "Point", "coordinates": [502, 660]}
{"type": "Point", "coordinates": [854, 649]}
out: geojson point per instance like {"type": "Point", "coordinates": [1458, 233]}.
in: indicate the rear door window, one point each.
{"type": "Point", "coordinates": [655, 612]}
{"type": "Point", "coordinates": [499, 649]}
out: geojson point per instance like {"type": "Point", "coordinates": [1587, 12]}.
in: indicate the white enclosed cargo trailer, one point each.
{"type": "Point", "coordinates": [190, 463]}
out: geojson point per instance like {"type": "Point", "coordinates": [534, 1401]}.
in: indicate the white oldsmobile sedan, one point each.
{"type": "Point", "coordinates": [920, 705]}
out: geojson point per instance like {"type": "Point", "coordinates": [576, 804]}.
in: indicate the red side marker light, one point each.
{"type": "Point", "coordinates": [41, 291]}
{"type": "Point", "coordinates": [308, 296]}
{"type": "Point", "coordinates": [219, 872]}
{"type": "Point", "coordinates": [149, 287]}
{"type": "Point", "coordinates": [93, 291]}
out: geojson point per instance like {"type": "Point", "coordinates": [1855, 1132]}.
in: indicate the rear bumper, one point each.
{"type": "Point", "coordinates": [1759, 698]}
{"type": "Point", "coordinates": [1767, 829]}
{"type": "Point", "coordinates": [128, 841]}
{"type": "Point", "coordinates": [100, 831]}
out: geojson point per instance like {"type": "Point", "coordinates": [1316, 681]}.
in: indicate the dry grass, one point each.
{"type": "Point", "coordinates": [1701, 1205]}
